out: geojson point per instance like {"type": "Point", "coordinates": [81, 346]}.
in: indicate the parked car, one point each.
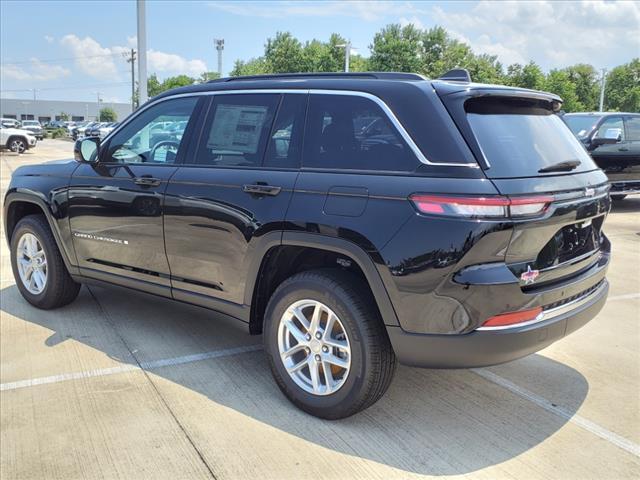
{"type": "Point", "coordinates": [613, 140]}
{"type": "Point", "coordinates": [16, 139]}
{"type": "Point", "coordinates": [34, 127]}
{"type": "Point", "coordinates": [472, 242]}
{"type": "Point", "coordinates": [107, 129]}
{"type": "Point", "coordinates": [79, 130]}
{"type": "Point", "coordinates": [10, 122]}
{"type": "Point", "coordinates": [94, 130]}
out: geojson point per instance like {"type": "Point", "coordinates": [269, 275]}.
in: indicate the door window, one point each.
{"type": "Point", "coordinates": [154, 136]}
{"type": "Point", "coordinates": [353, 133]}
{"type": "Point", "coordinates": [633, 128]}
{"type": "Point", "coordinates": [236, 131]}
{"type": "Point", "coordinates": [285, 139]}
{"type": "Point", "coordinates": [612, 127]}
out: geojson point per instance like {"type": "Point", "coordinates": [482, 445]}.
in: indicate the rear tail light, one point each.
{"type": "Point", "coordinates": [512, 318]}
{"type": "Point", "coordinates": [491, 207]}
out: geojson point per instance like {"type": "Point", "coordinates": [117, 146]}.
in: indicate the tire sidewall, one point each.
{"type": "Point", "coordinates": [29, 226]}
{"type": "Point", "coordinates": [351, 391]}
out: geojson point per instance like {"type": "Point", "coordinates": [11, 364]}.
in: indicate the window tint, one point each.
{"type": "Point", "coordinates": [154, 136]}
{"type": "Point", "coordinates": [350, 132]}
{"type": "Point", "coordinates": [610, 126]}
{"type": "Point", "coordinates": [283, 150]}
{"type": "Point", "coordinates": [633, 128]}
{"type": "Point", "coordinates": [236, 130]}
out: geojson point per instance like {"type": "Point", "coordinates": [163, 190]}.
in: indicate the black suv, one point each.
{"type": "Point", "coordinates": [613, 140]}
{"type": "Point", "coordinates": [353, 219]}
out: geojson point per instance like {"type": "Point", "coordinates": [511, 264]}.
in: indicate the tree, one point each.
{"type": "Point", "coordinates": [283, 54]}
{"type": "Point", "coordinates": [64, 116]}
{"type": "Point", "coordinates": [528, 76]}
{"type": "Point", "coordinates": [107, 114]}
{"type": "Point", "coordinates": [396, 48]}
{"type": "Point", "coordinates": [559, 82]}
{"type": "Point", "coordinates": [622, 89]}
{"type": "Point", "coordinates": [207, 76]}
{"type": "Point", "coordinates": [253, 66]}
{"type": "Point", "coordinates": [587, 82]}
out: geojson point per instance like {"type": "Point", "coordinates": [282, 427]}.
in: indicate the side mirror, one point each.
{"type": "Point", "coordinates": [611, 136]}
{"type": "Point", "coordinates": [86, 150]}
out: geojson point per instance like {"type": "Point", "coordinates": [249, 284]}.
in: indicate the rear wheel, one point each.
{"type": "Point", "coordinates": [38, 268]}
{"type": "Point", "coordinates": [327, 346]}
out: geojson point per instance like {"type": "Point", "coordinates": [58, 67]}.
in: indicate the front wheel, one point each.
{"type": "Point", "coordinates": [327, 346]}
{"type": "Point", "coordinates": [38, 268]}
{"type": "Point", "coordinates": [17, 145]}
{"type": "Point", "coordinates": [618, 198]}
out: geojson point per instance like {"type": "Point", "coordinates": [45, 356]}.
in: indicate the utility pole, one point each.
{"type": "Point", "coordinates": [219, 43]}
{"type": "Point", "coordinates": [98, 112]}
{"type": "Point", "coordinates": [602, 83]}
{"type": "Point", "coordinates": [142, 53]}
{"type": "Point", "coordinates": [347, 53]}
{"type": "Point", "coordinates": [131, 58]}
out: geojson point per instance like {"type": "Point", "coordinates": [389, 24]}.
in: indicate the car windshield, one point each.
{"type": "Point", "coordinates": [519, 138]}
{"type": "Point", "coordinates": [581, 125]}
{"type": "Point", "coordinates": [29, 123]}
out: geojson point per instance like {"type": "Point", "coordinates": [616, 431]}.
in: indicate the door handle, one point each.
{"type": "Point", "coordinates": [259, 189]}
{"type": "Point", "coordinates": [147, 181]}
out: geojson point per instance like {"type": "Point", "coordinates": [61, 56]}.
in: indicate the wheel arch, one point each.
{"type": "Point", "coordinates": [19, 205]}
{"type": "Point", "coordinates": [262, 281]}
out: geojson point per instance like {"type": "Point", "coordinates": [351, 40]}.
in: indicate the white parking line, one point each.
{"type": "Point", "coordinates": [129, 368]}
{"type": "Point", "coordinates": [542, 402]}
{"type": "Point", "coordinates": [627, 296]}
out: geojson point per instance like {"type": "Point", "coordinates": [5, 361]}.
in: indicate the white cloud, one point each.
{"type": "Point", "coordinates": [162, 62]}
{"type": "Point", "coordinates": [35, 70]}
{"type": "Point", "coordinates": [364, 10]}
{"type": "Point", "coordinates": [49, 38]}
{"type": "Point", "coordinates": [553, 34]}
{"type": "Point", "coordinates": [108, 62]}
{"type": "Point", "coordinates": [415, 21]}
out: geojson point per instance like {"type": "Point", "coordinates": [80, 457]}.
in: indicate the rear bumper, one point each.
{"type": "Point", "coordinates": [483, 348]}
{"type": "Point", "coordinates": [625, 187]}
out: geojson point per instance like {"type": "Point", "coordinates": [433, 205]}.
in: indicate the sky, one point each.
{"type": "Point", "coordinates": [73, 50]}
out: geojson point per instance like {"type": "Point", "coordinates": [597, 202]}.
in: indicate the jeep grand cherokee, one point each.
{"type": "Point", "coordinates": [355, 220]}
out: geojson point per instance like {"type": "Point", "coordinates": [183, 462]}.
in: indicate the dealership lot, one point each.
{"type": "Point", "coordinates": [124, 385]}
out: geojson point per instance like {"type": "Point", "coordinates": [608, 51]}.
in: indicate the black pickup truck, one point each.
{"type": "Point", "coordinates": [355, 220]}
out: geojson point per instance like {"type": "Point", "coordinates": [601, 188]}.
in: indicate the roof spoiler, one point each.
{"type": "Point", "coordinates": [457, 75]}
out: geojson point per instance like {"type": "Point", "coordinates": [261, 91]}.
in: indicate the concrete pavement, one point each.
{"type": "Point", "coordinates": [124, 385]}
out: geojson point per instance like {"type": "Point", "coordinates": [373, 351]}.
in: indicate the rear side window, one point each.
{"type": "Point", "coordinates": [519, 137]}
{"type": "Point", "coordinates": [285, 139]}
{"type": "Point", "coordinates": [347, 132]}
{"type": "Point", "coordinates": [236, 130]}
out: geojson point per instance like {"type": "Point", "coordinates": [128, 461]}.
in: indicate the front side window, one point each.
{"type": "Point", "coordinates": [353, 133]}
{"type": "Point", "coordinates": [154, 136]}
{"type": "Point", "coordinates": [611, 127]}
{"type": "Point", "coordinates": [633, 128]}
{"type": "Point", "coordinates": [236, 130]}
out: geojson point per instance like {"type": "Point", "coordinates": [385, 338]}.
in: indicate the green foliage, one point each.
{"type": "Point", "coordinates": [107, 114]}
{"type": "Point", "coordinates": [587, 82]}
{"type": "Point", "coordinates": [283, 54]}
{"type": "Point", "coordinates": [622, 89]}
{"type": "Point", "coordinates": [206, 76]}
{"type": "Point", "coordinates": [559, 82]}
{"type": "Point", "coordinates": [64, 116]}
{"type": "Point", "coordinates": [396, 48]}
{"type": "Point", "coordinates": [253, 66]}
{"type": "Point", "coordinates": [59, 133]}
{"type": "Point", "coordinates": [527, 76]}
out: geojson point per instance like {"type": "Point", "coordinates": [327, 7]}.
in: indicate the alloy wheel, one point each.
{"type": "Point", "coordinates": [32, 263]}
{"type": "Point", "coordinates": [314, 347]}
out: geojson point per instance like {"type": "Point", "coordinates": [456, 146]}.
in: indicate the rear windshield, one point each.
{"type": "Point", "coordinates": [519, 138]}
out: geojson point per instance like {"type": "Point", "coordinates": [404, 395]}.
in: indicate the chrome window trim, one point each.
{"type": "Point", "coordinates": [354, 93]}
{"type": "Point", "coordinates": [552, 313]}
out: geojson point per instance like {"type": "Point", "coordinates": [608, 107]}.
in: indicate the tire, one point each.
{"type": "Point", "coordinates": [59, 288]}
{"type": "Point", "coordinates": [17, 145]}
{"type": "Point", "coordinates": [372, 360]}
{"type": "Point", "coordinates": [618, 198]}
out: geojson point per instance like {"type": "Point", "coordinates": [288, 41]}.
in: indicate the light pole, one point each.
{"type": "Point", "coordinates": [347, 53]}
{"type": "Point", "coordinates": [219, 43]}
{"type": "Point", "coordinates": [602, 83]}
{"type": "Point", "coordinates": [142, 53]}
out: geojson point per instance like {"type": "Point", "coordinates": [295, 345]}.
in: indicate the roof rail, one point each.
{"type": "Point", "coordinates": [371, 75]}
{"type": "Point", "coordinates": [457, 75]}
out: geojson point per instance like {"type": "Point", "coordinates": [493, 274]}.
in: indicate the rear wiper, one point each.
{"type": "Point", "coordinates": [561, 166]}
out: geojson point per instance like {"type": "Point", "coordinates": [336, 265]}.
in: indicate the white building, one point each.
{"type": "Point", "coordinates": [45, 110]}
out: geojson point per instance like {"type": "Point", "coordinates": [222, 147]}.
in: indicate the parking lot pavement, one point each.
{"type": "Point", "coordinates": [123, 385]}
